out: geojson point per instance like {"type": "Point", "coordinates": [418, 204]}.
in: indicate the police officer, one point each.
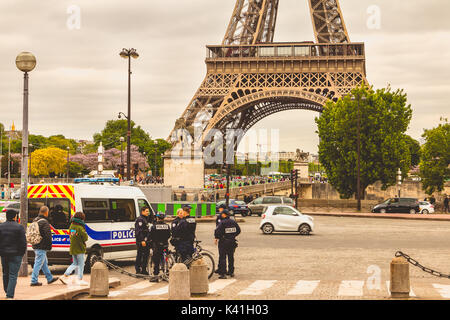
{"type": "Point", "coordinates": [175, 238]}
{"type": "Point", "coordinates": [184, 232]}
{"type": "Point", "coordinates": [159, 236]}
{"type": "Point", "coordinates": [141, 227]}
{"type": "Point", "coordinates": [222, 207]}
{"type": "Point", "coordinates": [225, 236]}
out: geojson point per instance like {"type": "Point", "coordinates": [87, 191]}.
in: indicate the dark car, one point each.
{"type": "Point", "coordinates": [398, 205]}
{"type": "Point", "coordinates": [236, 206]}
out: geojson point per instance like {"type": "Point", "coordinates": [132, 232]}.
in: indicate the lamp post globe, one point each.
{"type": "Point", "coordinates": [25, 62]}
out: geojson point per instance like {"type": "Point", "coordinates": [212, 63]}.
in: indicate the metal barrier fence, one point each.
{"type": "Point", "coordinates": [199, 209]}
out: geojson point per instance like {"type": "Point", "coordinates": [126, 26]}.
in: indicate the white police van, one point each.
{"type": "Point", "coordinates": [110, 211]}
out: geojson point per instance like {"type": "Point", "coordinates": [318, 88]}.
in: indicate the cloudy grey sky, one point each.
{"type": "Point", "coordinates": [80, 81]}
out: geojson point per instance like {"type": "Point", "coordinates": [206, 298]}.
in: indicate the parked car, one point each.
{"type": "Point", "coordinates": [8, 205]}
{"type": "Point", "coordinates": [236, 206]}
{"type": "Point", "coordinates": [283, 218]}
{"type": "Point", "coordinates": [15, 194]}
{"type": "Point", "coordinates": [398, 205]}
{"type": "Point", "coordinates": [426, 207]}
{"type": "Point", "coordinates": [258, 205]}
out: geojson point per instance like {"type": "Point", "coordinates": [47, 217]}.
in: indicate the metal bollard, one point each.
{"type": "Point", "coordinates": [199, 277]}
{"type": "Point", "coordinates": [399, 285]}
{"type": "Point", "coordinates": [179, 282]}
{"type": "Point", "coordinates": [99, 280]}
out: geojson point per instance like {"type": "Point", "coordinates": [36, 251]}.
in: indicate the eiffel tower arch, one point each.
{"type": "Point", "coordinates": [250, 77]}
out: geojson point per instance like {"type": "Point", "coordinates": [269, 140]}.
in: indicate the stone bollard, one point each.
{"type": "Point", "coordinates": [399, 285]}
{"type": "Point", "coordinates": [99, 280]}
{"type": "Point", "coordinates": [179, 283]}
{"type": "Point", "coordinates": [199, 277]}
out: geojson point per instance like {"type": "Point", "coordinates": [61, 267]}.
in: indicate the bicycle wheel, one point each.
{"type": "Point", "coordinates": [209, 260]}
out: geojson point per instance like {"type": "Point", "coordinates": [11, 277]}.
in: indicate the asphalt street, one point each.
{"type": "Point", "coordinates": [344, 258]}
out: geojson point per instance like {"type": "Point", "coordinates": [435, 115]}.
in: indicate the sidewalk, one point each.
{"type": "Point", "coordinates": [54, 291]}
{"type": "Point", "coordinates": [428, 217]}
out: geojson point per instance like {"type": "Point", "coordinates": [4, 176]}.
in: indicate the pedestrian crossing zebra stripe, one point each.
{"type": "Point", "coordinates": [351, 288]}
{"type": "Point", "coordinates": [304, 287]}
{"type": "Point", "coordinates": [257, 287]}
{"type": "Point", "coordinates": [347, 288]}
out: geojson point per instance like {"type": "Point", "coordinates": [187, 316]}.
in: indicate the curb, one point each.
{"type": "Point", "coordinates": [68, 294]}
{"type": "Point", "coordinates": [378, 216]}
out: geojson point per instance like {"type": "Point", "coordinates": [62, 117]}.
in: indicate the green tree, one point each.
{"type": "Point", "coordinates": [114, 129]}
{"type": "Point", "coordinates": [414, 150]}
{"type": "Point", "coordinates": [385, 117]}
{"type": "Point", "coordinates": [435, 164]}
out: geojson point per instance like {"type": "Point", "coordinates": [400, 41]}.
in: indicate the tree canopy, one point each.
{"type": "Point", "coordinates": [435, 164]}
{"type": "Point", "coordinates": [385, 117]}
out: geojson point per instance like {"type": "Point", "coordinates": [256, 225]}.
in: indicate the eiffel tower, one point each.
{"type": "Point", "coordinates": [250, 77]}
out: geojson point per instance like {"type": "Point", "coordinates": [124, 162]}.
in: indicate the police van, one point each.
{"type": "Point", "coordinates": [110, 211]}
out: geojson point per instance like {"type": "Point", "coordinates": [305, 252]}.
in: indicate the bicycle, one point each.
{"type": "Point", "coordinates": [166, 263]}
{"type": "Point", "coordinates": [199, 253]}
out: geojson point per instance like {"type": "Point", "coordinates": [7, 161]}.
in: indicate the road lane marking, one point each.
{"type": "Point", "coordinates": [257, 287]}
{"type": "Point", "coordinates": [140, 285]}
{"type": "Point", "coordinates": [219, 284]}
{"type": "Point", "coordinates": [304, 287]}
{"type": "Point", "coordinates": [444, 290]}
{"type": "Point", "coordinates": [351, 288]}
{"type": "Point", "coordinates": [157, 292]}
{"type": "Point", "coordinates": [388, 284]}
{"type": "Point", "coordinates": [116, 293]}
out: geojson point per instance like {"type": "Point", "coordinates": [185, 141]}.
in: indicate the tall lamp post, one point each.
{"type": "Point", "coordinates": [128, 54]}
{"type": "Point", "coordinates": [25, 62]}
{"type": "Point", "coordinates": [68, 153]}
{"type": "Point", "coordinates": [358, 98]}
{"type": "Point", "coordinates": [122, 139]}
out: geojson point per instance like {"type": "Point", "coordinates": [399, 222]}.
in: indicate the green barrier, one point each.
{"type": "Point", "coordinates": [202, 209]}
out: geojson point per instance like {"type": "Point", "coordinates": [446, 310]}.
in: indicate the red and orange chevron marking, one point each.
{"type": "Point", "coordinates": [53, 191]}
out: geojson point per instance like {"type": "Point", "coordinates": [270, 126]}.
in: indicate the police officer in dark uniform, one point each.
{"type": "Point", "coordinates": [141, 227]}
{"type": "Point", "coordinates": [222, 207]}
{"type": "Point", "coordinates": [225, 234]}
{"type": "Point", "coordinates": [175, 238]}
{"type": "Point", "coordinates": [159, 237]}
{"type": "Point", "coordinates": [184, 233]}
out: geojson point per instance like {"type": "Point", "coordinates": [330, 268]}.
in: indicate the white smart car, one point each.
{"type": "Point", "coordinates": [282, 218]}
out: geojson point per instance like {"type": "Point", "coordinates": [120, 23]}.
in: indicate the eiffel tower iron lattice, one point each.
{"type": "Point", "coordinates": [250, 77]}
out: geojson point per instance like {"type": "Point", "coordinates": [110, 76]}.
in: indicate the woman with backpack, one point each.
{"type": "Point", "coordinates": [78, 239]}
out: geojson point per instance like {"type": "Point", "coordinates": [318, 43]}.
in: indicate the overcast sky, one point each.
{"type": "Point", "coordinates": [80, 81]}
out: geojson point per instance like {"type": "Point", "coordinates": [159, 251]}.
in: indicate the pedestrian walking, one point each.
{"type": "Point", "coordinates": [432, 200]}
{"type": "Point", "coordinates": [13, 245]}
{"type": "Point", "coordinates": [78, 239]}
{"type": "Point", "coordinates": [225, 237]}
{"type": "Point", "coordinates": [142, 229]}
{"type": "Point", "coordinates": [446, 205]}
{"type": "Point", "coordinates": [159, 236]}
{"type": "Point", "coordinates": [40, 249]}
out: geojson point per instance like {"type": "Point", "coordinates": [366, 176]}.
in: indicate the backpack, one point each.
{"type": "Point", "coordinates": [33, 234]}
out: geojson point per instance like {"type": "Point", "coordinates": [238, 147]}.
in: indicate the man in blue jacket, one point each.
{"type": "Point", "coordinates": [13, 245]}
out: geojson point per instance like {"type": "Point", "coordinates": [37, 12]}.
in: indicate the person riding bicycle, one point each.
{"type": "Point", "coordinates": [159, 236]}
{"type": "Point", "coordinates": [184, 232]}
{"type": "Point", "coordinates": [225, 234]}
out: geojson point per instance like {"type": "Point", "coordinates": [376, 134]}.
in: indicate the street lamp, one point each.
{"type": "Point", "coordinates": [122, 139]}
{"type": "Point", "coordinates": [31, 151]}
{"type": "Point", "coordinates": [128, 54]}
{"type": "Point", "coordinates": [358, 98]}
{"type": "Point", "coordinates": [68, 151]}
{"type": "Point", "coordinates": [25, 62]}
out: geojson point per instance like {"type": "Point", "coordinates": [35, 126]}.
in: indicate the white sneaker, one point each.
{"type": "Point", "coordinates": [81, 283]}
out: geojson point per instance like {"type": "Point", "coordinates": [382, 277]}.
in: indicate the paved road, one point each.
{"type": "Point", "coordinates": [345, 258]}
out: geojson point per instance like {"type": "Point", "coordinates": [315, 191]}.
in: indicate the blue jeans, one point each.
{"type": "Point", "coordinates": [11, 266]}
{"type": "Point", "coordinates": [77, 264]}
{"type": "Point", "coordinates": [40, 262]}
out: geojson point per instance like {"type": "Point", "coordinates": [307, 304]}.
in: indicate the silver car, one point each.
{"type": "Point", "coordinates": [258, 205]}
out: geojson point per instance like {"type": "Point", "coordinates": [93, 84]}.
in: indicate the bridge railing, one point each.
{"type": "Point", "coordinates": [286, 50]}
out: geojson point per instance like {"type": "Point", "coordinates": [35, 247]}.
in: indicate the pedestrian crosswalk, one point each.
{"type": "Point", "coordinates": [283, 289]}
